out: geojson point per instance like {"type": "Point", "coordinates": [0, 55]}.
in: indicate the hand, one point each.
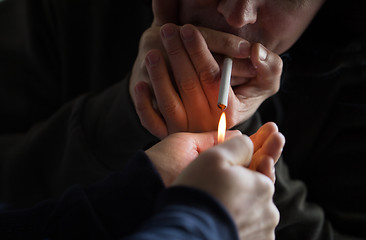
{"type": "Point", "coordinates": [164, 11]}
{"type": "Point", "coordinates": [268, 144]}
{"type": "Point", "coordinates": [246, 194]}
{"type": "Point", "coordinates": [175, 152]}
{"type": "Point", "coordinates": [196, 74]}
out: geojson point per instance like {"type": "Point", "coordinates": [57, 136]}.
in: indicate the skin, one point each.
{"type": "Point", "coordinates": [276, 24]}
{"type": "Point", "coordinates": [219, 170]}
{"type": "Point", "coordinates": [175, 79]}
{"type": "Point", "coordinates": [177, 151]}
{"type": "Point", "coordinates": [174, 86]}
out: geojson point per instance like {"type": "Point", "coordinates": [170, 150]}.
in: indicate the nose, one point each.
{"type": "Point", "coordinates": [238, 13]}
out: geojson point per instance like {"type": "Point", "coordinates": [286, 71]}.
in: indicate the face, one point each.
{"type": "Point", "coordinates": [277, 24]}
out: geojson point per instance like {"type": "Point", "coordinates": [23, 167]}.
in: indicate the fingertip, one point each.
{"type": "Point", "coordinates": [244, 49]}
{"type": "Point", "coordinates": [262, 53]}
{"type": "Point", "coordinates": [264, 59]}
{"type": "Point", "coordinates": [282, 139]}
{"type": "Point", "coordinates": [259, 52]}
{"type": "Point", "coordinates": [168, 30]}
{"type": "Point", "coordinates": [152, 58]}
{"type": "Point", "coordinates": [271, 126]}
{"type": "Point", "coordinates": [254, 55]}
{"type": "Point", "coordinates": [187, 32]}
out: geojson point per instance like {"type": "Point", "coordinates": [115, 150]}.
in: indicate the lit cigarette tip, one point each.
{"type": "Point", "coordinates": [221, 106]}
{"type": "Point", "coordinates": [225, 83]}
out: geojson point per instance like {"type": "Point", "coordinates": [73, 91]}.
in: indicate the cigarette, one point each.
{"type": "Point", "coordinates": [225, 83]}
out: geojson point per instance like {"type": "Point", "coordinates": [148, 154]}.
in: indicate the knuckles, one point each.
{"type": "Point", "coordinates": [169, 108]}
{"type": "Point", "coordinates": [265, 186]}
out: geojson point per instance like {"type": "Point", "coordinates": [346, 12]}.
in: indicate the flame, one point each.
{"type": "Point", "coordinates": [221, 130]}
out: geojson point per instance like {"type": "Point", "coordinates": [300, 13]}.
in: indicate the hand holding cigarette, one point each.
{"type": "Point", "coordinates": [185, 76]}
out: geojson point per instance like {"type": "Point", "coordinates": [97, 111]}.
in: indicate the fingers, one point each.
{"type": "Point", "coordinates": [205, 65]}
{"type": "Point", "coordinates": [149, 118]}
{"type": "Point", "coordinates": [171, 155]}
{"type": "Point", "coordinates": [268, 66]}
{"type": "Point", "coordinates": [168, 101]}
{"type": "Point", "coordinates": [225, 43]}
{"type": "Point", "coordinates": [268, 145]}
{"type": "Point", "coordinates": [188, 83]}
{"type": "Point", "coordinates": [165, 11]}
{"type": "Point", "coordinates": [267, 141]}
{"type": "Point", "coordinates": [262, 134]}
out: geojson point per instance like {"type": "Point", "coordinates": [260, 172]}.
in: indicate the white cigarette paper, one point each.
{"type": "Point", "coordinates": [225, 83]}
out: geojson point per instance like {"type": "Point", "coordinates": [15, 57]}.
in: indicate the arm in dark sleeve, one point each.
{"type": "Point", "coordinates": [83, 142]}
{"type": "Point", "coordinates": [109, 209]}
{"type": "Point", "coordinates": [187, 213]}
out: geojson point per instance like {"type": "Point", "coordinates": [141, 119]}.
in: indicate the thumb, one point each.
{"type": "Point", "coordinates": [238, 150]}
{"type": "Point", "coordinates": [165, 11]}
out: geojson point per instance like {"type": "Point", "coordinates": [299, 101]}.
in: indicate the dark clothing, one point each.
{"type": "Point", "coordinates": [67, 118]}
{"type": "Point", "coordinates": [321, 109]}
{"type": "Point", "coordinates": [115, 207]}
{"type": "Point", "coordinates": [58, 127]}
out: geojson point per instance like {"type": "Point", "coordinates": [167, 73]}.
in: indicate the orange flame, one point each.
{"type": "Point", "coordinates": [221, 130]}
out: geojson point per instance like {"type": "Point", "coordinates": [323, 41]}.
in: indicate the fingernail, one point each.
{"type": "Point", "coordinates": [262, 53]}
{"type": "Point", "coordinates": [187, 32]}
{"type": "Point", "coordinates": [244, 48]}
{"type": "Point", "coordinates": [152, 58]}
{"type": "Point", "coordinates": [167, 31]}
